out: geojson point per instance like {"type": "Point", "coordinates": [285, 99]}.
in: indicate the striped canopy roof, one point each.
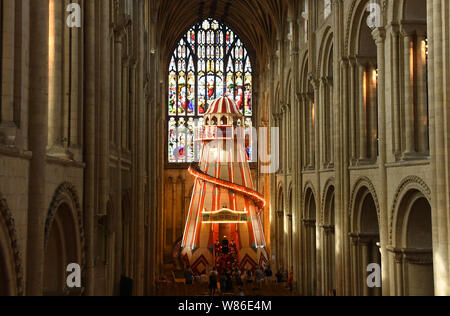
{"type": "Point", "coordinates": [224, 105]}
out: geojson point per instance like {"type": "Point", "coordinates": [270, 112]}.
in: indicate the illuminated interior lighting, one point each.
{"type": "Point", "coordinates": [255, 196]}
{"type": "Point", "coordinates": [225, 210]}
{"type": "Point", "coordinates": [229, 222]}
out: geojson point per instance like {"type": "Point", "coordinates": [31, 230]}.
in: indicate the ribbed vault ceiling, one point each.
{"type": "Point", "coordinates": [255, 21]}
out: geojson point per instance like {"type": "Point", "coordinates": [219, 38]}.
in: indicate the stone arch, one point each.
{"type": "Point", "coordinates": [411, 183]}
{"type": "Point", "coordinates": [412, 239]}
{"type": "Point", "coordinates": [328, 194]}
{"type": "Point", "coordinates": [310, 241]}
{"type": "Point", "coordinates": [276, 108]}
{"type": "Point", "coordinates": [325, 50]}
{"type": "Point", "coordinates": [363, 182]}
{"type": "Point", "coordinates": [304, 72]}
{"type": "Point", "coordinates": [365, 234]}
{"type": "Point", "coordinates": [308, 192]}
{"type": "Point", "coordinates": [291, 198]}
{"type": "Point", "coordinates": [328, 240]}
{"type": "Point", "coordinates": [309, 196]}
{"type": "Point", "coordinates": [11, 271]}
{"type": "Point", "coordinates": [356, 13]}
{"type": "Point", "coordinates": [64, 239]}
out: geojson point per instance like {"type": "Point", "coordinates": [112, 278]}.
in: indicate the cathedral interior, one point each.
{"type": "Point", "coordinates": [101, 101]}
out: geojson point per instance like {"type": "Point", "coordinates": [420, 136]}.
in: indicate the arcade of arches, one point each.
{"type": "Point", "coordinates": [361, 101]}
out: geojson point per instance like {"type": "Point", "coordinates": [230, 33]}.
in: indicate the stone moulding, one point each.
{"type": "Point", "coordinates": [5, 213]}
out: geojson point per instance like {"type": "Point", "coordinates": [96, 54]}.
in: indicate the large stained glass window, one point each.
{"type": "Point", "coordinates": [209, 62]}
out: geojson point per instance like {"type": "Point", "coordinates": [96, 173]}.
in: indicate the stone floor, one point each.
{"type": "Point", "coordinates": [201, 289]}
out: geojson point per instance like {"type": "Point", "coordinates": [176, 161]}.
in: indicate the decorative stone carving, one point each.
{"type": "Point", "coordinates": [66, 193]}
{"type": "Point", "coordinates": [409, 183]}
{"type": "Point", "coordinates": [11, 227]}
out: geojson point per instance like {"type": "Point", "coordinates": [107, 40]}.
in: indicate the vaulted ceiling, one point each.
{"type": "Point", "coordinates": [255, 21]}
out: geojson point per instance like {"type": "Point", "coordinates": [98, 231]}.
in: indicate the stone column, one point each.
{"type": "Point", "coordinates": [141, 158]}
{"type": "Point", "coordinates": [344, 153]}
{"type": "Point", "coordinates": [395, 65]}
{"type": "Point", "coordinates": [380, 38]}
{"type": "Point", "coordinates": [106, 99]}
{"type": "Point", "coordinates": [355, 266]}
{"type": "Point", "coordinates": [373, 110]}
{"type": "Point", "coordinates": [118, 37]}
{"type": "Point", "coordinates": [437, 24]}
{"type": "Point", "coordinates": [7, 61]}
{"type": "Point", "coordinates": [322, 121]}
{"type": "Point", "coordinates": [38, 130]}
{"type": "Point", "coordinates": [353, 107]}
{"type": "Point", "coordinates": [75, 88]}
{"type": "Point", "coordinates": [304, 111]}
{"type": "Point", "coordinates": [89, 141]}
{"type": "Point", "coordinates": [362, 80]}
{"type": "Point", "coordinates": [421, 83]}
{"type": "Point", "coordinates": [364, 248]}
{"type": "Point", "coordinates": [289, 243]}
{"type": "Point", "coordinates": [408, 77]}
{"type": "Point", "coordinates": [55, 78]}
{"type": "Point", "coordinates": [399, 274]}
{"type": "Point", "coordinates": [311, 119]}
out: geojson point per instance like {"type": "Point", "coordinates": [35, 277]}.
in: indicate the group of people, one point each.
{"type": "Point", "coordinates": [227, 280]}
{"type": "Point", "coordinates": [227, 274]}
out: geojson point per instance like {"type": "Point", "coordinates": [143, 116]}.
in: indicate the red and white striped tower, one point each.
{"type": "Point", "coordinates": [224, 203]}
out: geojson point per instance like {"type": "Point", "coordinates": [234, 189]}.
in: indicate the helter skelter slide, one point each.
{"type": "Point", "coordinates": [225, 209]}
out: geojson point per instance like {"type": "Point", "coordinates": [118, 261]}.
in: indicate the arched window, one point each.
{"type": "Point", "coordinates": [209, 62]}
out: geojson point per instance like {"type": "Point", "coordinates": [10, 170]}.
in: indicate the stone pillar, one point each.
{"type": "Point", "coordinates": [290, 263]}
{"type": "Point", "coordinates": [311, 122]}
{"type": "Point", "coordinates": [141, 158]}
{"type": "Point", "coordinates": [38, 130]}
{"type": "Point", "coordinates": [422, 100]}
{"type": "Point", "coordinates": [118, 37]}
{"type": "Point", "coordinates": [395, 65]}
{"type": "Point", "coordinates": [344, 153]}
{"type": "Point", "coordinates": [305, 123]}
{"type": "Point", "coordinates": [398, 262]}
{"type": "Point", "coordinates": [362, 80]}
{"type": "Point", "coordinates": [75, 88]}
{"type": "Point", "coordinates": [322, 122]}
{"type": "Point", "coordinates": [105, 107]}
{"type": "Point", "coordinates": [55, 78]}
{"type": "Point", "coordinates": [89, 141]}
{"type": "Point", "coordinates": [373, 110]}
{"type": "Point", "coordinates": [437, 26]}
{"type": "Point", "coordinates": [353, 107]}
{"type": "Point", "coordinates": [364, 248]}
{"type": "Point", "coordinates": [408, 77]}
{"type": "Point", "coordinates": [355, 267]}
{"type": "Point", "coordinates": [8, 127]}
{"type": "Point", "coordinates": [380, 38]}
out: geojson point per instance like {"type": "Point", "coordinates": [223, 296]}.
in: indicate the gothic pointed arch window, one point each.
{"type": "Point", "coordinates": [209, 62]}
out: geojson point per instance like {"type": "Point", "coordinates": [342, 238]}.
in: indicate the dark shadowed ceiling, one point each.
{"type": "Point", "coordinates": [255, 21]}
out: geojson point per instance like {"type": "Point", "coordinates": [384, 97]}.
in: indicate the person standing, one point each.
{"type": "Point", "coordinates": [259, 276]}
{"type": "Point", "coordinates": [279, 276]}
{"type": "Point", "coordinates": [189, 276]}
{"type": "Point", "coordinates": [213, 281]}
{"type": "Point", "coordinates": [268, 274]}
{"type": "Point", "coordinates": [291, 281]}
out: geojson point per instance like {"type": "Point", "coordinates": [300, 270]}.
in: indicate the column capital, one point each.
{"type": "Point", "coordinates": [379, 35]}
{"type": "Point", "coordinates": [345, 62]}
